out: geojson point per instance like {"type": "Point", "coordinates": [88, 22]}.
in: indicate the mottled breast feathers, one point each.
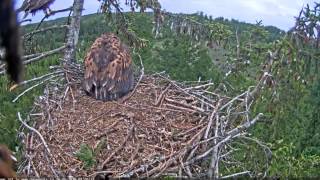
{"type": "Point", "coordinates": [108, 68]}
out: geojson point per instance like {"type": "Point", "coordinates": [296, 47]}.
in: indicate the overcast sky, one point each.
{"type": "Point", "coordinates": [279, 13]}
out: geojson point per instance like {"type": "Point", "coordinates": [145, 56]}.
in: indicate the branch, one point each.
{"type": "Point", "coordinates": [39, 57]}
{"type": "Point", "coordinates": [39, 78]}
{"type": "Point", "coordinates": [30, 88]}
{"type": "Point", "coordinates": [245, 126]}
{"type": "Point", "coordinates": [213, 114]}
{"type": "Point", "coordinates": [51, 14]}
{"type": "Point", "coordinates": [44, 30]}
{"type": "Point", "coordinates": [119, 148]}
{"type": "Point", "coordinates": [44, 54]}
{"type": "Point", "coordinates": [25, 20]}
{"type": "Point", "coordinates": [200, 86]}
{"type": "Point", "coordinates": [36, 131]}
{"type": "Point", "coordinates": [235, 175]}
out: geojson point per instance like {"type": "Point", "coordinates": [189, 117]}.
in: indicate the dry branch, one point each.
{"type": "Point", "coordinates": [51, 14]}
{"type": "Point", "coordinates": [36, 131]}
{"type": "Point", "coordinates": [36, 57]}
{"type": "Point", "coordinates": [118, 149]}
{"type": "Point", "coordinates": [32, 87]}
{"type": "Point", "coordinates": [39, 78]}
{"type": "Point", "coordinates": [30, 34]}
{"type": "Point", "coordinates": [44, 54]}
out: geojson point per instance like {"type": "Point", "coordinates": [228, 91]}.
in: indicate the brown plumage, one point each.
{"type": "Point", "coordinates": [108, 68]}
{"type": "Point", "coordinates": [10, 39]}
{"type": "Point", "coordinates": [32, 6]}
{"type": "Point", "coordinates": [6, 163]}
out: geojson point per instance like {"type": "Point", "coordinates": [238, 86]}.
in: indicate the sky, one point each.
{"type": "Point", "coordinates": [279, 13]}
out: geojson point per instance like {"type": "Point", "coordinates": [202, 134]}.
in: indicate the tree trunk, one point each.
{"type": "Point", "coordinates": [73, 31]}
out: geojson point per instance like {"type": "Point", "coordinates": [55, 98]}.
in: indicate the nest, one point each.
{"type": "Point", "coordinates": [161, 128]}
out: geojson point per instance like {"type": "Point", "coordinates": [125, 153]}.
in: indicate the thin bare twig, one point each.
{"type": "Point", "coordinates": [44, 30]}
{"type": "Point", "coordinates": [36, 85]}
{"type": "Point", "coordinates": [36, 131]}
{"type": "Point", "coordinates": [51, 14]}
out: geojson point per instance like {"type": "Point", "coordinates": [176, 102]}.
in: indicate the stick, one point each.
{"type": "Point", "coordinates": [52, 13]}
{"type": "Point", "coordinates": [30, 88]}
{"type": "Point", "coordinates": [36, 131]}
{"type": "Point", "coordinates": [39, 57]}
{"type": "Point", "coordinates": [45, 54]}
{"type": "Point", "coordinates": [45, 29]}
{"type": "Point", "coordinates": [39, 78]}
{"type": "Point", "coordinates": [235, 175]}
{"type": "Point", "coordinates": [245, 126]}
{"type": "Point", "coordinates": [213, 114]}
{"type": "Point", "coordinates": [161, 96]}
{"type": "Point", "coordinates": [118, 149]}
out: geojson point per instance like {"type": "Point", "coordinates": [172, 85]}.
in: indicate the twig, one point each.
{"type": "Point", "coordinates": [213, 114]}
{"type": "Point", "coordinates": [199, 87]}
{"type": "Point", "coordinates": [25, 20]}
{"type": "Point", "coordinates": [39, 78]}
{"type": "Point", "coordinates": [30, 88]}
{"type": "Point", "coordinates": [235, 175]}
{"type": "Point", "coordinates": [51, 14]}
{"type": "Point", "coordinates": [36, 131]}
{"type": "Point", "coordinates": [161, 96]}
{"type": "Point", "coordinates": [245, 126]}
{"type": "Point", "coordinates": [44, 30]}
{"type": "Point", "coordinates": [118, 149]}
{"type": "Point", "coordinates": [186, 92]}
{"type": "Point", "coordinates": [184, 105]}
{"type": "Point", "coordinates": [45, 54]}
{"type": "Point", "coordinates": [213, 172]}
{"type": "Point", "coordinates": [232, 100]}
{"type": "Point", "coordinates": [39, 57]}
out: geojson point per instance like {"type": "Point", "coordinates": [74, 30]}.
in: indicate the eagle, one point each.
{"type": "Point", "coordinates": [108, 69]}
{"type": "Point", "coordinates": [10, 40]}
{"type": "Point", "coordinates": [32, 6]}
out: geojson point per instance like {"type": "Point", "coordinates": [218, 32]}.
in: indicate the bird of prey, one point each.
{"type": "Point", "coordinates": [32, 6]}
{"type": "Point", "coordinates": [10, 40]}
{"type": "Point", "coordinates": [108, 69]}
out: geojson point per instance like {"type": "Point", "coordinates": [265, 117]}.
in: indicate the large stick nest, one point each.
{"type": "Point", "coordinates": [162, 127]}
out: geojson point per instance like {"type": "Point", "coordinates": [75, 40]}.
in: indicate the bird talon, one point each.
{"type": "Point", "coordinates": [13, 87]}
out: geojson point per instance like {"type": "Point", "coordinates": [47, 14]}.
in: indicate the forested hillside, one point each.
{"type": "Point", "coordinates": [233, 59]}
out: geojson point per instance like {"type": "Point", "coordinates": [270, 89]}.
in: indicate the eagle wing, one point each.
{"type": "Point", "coordinates": [24, 6]}
{"type": "Point", "coordinates": [108, 68]}
{"type": "Point", "coordinates": [34, 5]}
{"type": "Point", "coordinates": [10, 40]}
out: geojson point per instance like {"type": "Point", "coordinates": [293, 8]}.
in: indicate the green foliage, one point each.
{"type": "Point", "coordinates": [86, 155]}
{"type": "Point", "coordinates": [285, 165]}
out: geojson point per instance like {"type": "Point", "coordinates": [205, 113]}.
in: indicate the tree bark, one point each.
{"type": "Point", "coordinates": [73, 31]}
